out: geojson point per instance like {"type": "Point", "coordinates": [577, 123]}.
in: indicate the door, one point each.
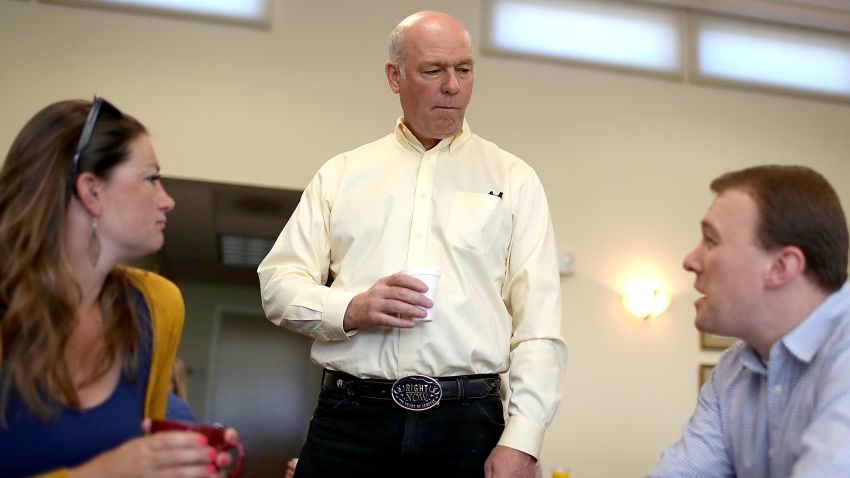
{"type": "Point", "coordinates": [264, 385]}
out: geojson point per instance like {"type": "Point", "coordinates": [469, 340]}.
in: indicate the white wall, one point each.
{"type": "Point", "coordinates": [626, 162]}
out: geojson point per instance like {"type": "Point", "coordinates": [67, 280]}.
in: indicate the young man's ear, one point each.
{"type": "Point", "coordinates": [393, 75]}
{"type": "Point", "coordinates": [88, 192]}
{"type": "Point", "coordinates": [789, 262]}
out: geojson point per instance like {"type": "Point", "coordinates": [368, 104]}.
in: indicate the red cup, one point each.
{"type": "Point", "coordinates": [215, 439]}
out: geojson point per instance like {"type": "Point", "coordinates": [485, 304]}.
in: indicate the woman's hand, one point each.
{"type": "Point", "coordinates": [230, 436]}
{"type": "Point", "coordinates": [164, 454]}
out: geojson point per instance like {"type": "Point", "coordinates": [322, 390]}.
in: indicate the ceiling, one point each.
{"type": "Point", "coordinates": [206, 211]}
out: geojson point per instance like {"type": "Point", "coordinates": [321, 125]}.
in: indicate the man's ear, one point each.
{"type": "Point", "coordinates": [393, 74]}
{"type": "Point", "coordinates": [88, 192]}
{"type": "Point", "coordinates": [789, 262]}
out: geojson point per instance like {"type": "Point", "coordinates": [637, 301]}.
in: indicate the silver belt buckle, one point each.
{"type": "Point", "coordinates": [417, 393]}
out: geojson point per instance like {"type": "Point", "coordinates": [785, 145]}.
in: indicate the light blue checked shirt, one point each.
{"type": "Point", "coordinates": [787, 418]}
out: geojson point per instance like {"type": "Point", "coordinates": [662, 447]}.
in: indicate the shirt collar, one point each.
{"type": "Point", "coordinates": [806, 339]}
{"type": "Point", "coordinates": [406, 138]}
{"type": "Point", "coordinates": [751, 359]}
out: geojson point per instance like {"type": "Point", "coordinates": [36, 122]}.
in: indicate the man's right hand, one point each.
{"type": "Point", "coordinates": [390, 297]}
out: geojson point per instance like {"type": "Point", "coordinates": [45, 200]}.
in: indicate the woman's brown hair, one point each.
{"type": "Point", "coordinates": [37, 288]}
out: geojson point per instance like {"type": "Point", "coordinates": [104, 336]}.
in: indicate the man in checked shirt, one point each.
{"type": "Point", "coordinates": [772, 268]}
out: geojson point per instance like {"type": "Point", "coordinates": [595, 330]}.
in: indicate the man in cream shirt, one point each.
{"type": "Point", "coordinates": [421, 398]}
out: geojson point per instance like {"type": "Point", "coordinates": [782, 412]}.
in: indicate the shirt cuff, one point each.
{"type": "Point", "coordinates": [334, 312]}
{"type": "Point", "coordinates": [524, 435]}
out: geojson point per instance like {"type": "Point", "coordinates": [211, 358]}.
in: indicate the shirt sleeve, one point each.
{"type": "Point", "coordinates": [178, 409]}
{"type": "Point", "coordinates": [293, 274]}
{"type": "Point", "coordinates": [532, 294]}
{"type": "Point", "coordinates": [824, 448]}
{"type": "Point", "coordinates": [701, 451]}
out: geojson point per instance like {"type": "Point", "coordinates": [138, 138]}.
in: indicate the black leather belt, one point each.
{"type": "Point", "coordinates": [461, 387]}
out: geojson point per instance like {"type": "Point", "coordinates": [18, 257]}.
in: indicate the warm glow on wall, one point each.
{"type": "Point", "coordinates": [645, 298]}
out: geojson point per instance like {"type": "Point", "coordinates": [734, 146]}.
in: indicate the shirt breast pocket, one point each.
{"type": "Point", "coordinates": [474, 221]}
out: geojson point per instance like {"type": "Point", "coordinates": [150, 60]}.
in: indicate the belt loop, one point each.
{"type": "Point", "coordinates": [463, 389]}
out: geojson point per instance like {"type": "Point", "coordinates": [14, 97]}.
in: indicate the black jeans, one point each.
{"type": "Point", "coordinates": [354, 437]}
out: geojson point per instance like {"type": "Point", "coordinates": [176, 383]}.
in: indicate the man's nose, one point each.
{"type": "Point", "coordinates": [690, 263]}
{"type": "Point", "coordinates": [451, 85]}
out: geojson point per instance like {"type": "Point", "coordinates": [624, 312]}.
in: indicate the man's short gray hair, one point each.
{"type": "Point", "coordinates": [398, 48]}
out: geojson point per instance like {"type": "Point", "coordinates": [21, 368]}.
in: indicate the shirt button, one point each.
{"type": "Point", "coordinates": [418, 235]}
{"type": "Point", "coordinates": [777, 390]}
{"type": "Point", "coordinates": [422, 195]}
{"type": "Point", "coordinates": [770, 452]}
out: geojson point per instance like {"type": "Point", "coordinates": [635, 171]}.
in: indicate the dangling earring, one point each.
{"type": "Point", "coordinates": [94, 244]}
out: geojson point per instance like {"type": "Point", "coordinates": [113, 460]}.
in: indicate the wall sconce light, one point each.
{"type": "Point", "coordinates": [645, 298]}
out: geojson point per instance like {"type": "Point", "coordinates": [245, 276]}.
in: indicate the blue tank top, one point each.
{"type": "Point", "coordinates": [29, 446]}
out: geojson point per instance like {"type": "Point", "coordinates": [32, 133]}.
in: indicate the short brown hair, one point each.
{"type": "Point", "coordinates": [797, 207]}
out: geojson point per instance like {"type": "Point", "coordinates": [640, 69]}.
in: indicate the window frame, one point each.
{"type": "Point", "coordinates": [488, 47]}
{"type": "Point", "coordinates": [698, 78]}
{"type": "Point", "coordinates": [263, 22]}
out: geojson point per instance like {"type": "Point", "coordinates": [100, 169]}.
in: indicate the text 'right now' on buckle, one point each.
{"type": "Point", "coordinates": [417, 393]}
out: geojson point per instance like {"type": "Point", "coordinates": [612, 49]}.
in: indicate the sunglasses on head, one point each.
{"type": "Point", "coordinates": [85, 138]}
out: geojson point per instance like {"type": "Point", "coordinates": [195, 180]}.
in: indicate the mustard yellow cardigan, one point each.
{"type": "Point", "coordinates": [165, 304]}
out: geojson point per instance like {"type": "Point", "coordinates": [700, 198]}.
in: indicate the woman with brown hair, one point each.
{"type": "Point", "coordinates": [86, 344]}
